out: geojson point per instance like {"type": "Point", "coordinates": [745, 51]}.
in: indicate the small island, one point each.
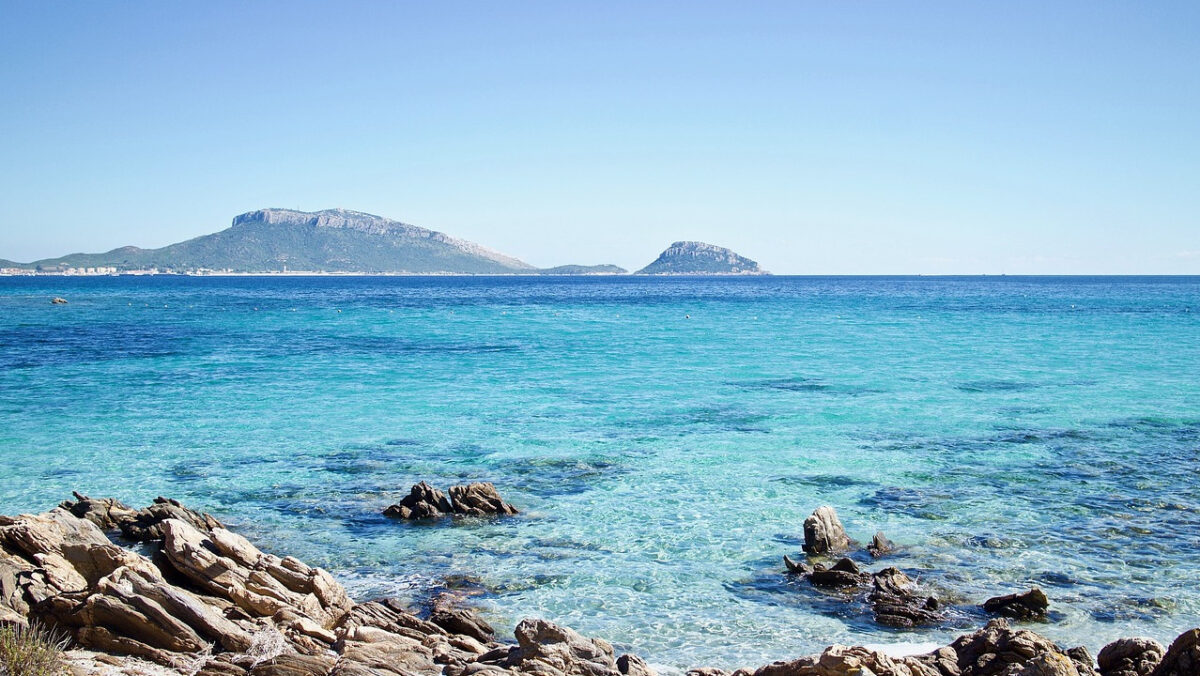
{"type": "Point", "coordinates": [698, 258]}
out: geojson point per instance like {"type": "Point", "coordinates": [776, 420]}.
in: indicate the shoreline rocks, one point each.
{"type": "Point", "coordinates": [474, 499]}
{"type": "Point", "coordinates": [209, 603]}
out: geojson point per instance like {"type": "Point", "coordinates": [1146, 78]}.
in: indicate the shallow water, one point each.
{"type": "Point", "coordinates": [1006, 431]}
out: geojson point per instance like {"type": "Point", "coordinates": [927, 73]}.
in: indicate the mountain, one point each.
{"type": "Point", "coordinates": [584, 270]}
{"type": "Point", "coordinates": [334, 240]}
{"type": "Point", "coordinates": [698, 258]}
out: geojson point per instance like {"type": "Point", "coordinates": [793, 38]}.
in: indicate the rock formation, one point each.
{"type": "Point", "coordinates": [474, 499]}
{"type": "Point", "coordinates": [1130, 657]}
{"type": "Point", "coordinates": [823, 532]}
{"type": "Point", "coordinates": [1025, 606]}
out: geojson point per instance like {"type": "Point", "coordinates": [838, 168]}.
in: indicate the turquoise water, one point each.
{"type": "Point", "coordinates": [1006, 431]}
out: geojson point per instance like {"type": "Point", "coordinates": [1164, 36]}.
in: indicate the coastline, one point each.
{"type": "Point", "coordinates": [195, 598]}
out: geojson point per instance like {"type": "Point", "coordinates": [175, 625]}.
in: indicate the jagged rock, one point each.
{"type": "Point", "coordinates": [844, 573]}
{"type": "Point", "coordinates": [463, 621]}
{"type": "Point", "coordinates": [795, 568]}
{"type": "Point", "coordinates": [880, 545]}
{"type": "Point", "coordinates": [479, 499]}
{"type": "Point", "coordinates": [1130, 657]}
{"type": "Point", "coordinates": [896, 604]}
{"type": "Point", "coordinates": [632, 665]}
{"type": "Point", "coordinates": [1000, 650]}
{"type": "Point", "coordinates": [107, 513]}
{"type": "Point", "coordinates": [1024, 606]}
{"type": "Point", "coordinates": [1183, 657]}
{"type": "Point", "coordinates": [849, 661]}
{"type": "Point", "coordinates": [422, 502]}
{"type": "Point", "coordinates": [546, 649]}
{"type": "Point", "coordinates": [474, 499]}
{"type": "Point", "coordinates": [227, 566]}
{"type": "Point", "coordinates": [138, 525]}
{"type": "Point", "coordinates": [823, 532]}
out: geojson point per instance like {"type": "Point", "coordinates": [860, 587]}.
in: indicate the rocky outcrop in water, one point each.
{"type": "Point", "coordinates": [698, 258]}
{"type": "Point", "coordinates": [880, 545]}
{"type": "Point", "coordinates": [474, 499]}
{"type": "Point", "coordinates": [209, 603]}
{"type": "Point", "coordinates": [1029, 605]}
{"type": "Point", "coordinates": [823, 532]}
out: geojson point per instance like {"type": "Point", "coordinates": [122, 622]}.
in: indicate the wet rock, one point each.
{"type": "Point", "coordinates": [474, 499]}
{"type": "Point", "coordinates": [880, 545]}
{"type": "Point", "coordinates": [632, 665]}
{"type": "Point", "coordinates": [1183, 657]}
{"type": "Point", "coordinates": [823, 532]}
{"type": "Point", "coordinates": [464, 621]}
{"type": "Point", "coordinates": [1130, 657]}
{"type": "Point", "coordinates": [1024, 606]}
{"type": "Point", "coordinates": [795, 568]}
{"type": "Point", "coordinates": [844, 573]}
{"type": "Point", "coordinates": [479, 499]}
{"type": "Point", "coordinates": [896, 604]}
{"type": "Point", "coordinates": [422, 502]}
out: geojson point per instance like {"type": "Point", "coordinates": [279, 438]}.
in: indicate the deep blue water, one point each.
{"type": "Point", "coordinates": [665, 438]}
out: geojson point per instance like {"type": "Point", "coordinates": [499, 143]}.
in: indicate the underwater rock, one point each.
{"type": "Point", "coordinates": [823, 532]}
{"type": "Point", "coordinates": [1130, 657]}
{"type": "Point", "coordinates": [1025, 606]}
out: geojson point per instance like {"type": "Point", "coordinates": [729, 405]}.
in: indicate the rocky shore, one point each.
{"type": "Point", "coordinates": [204, 600]}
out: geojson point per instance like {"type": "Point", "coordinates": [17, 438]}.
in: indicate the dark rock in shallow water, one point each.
{"type": "Point", "coordinates": [1027, 606]}
{"type": "Point", "coordinates": [422, 502]}
{"type": "Point", "coordinates": [1183, 657]}
{"type": "Point", "coordinates": [1130, 657]}
{"type": "Point", "coordinates": [823, 532]}
{"type": "Point", "coordinates": [479, 499]}
{"type": "Point", "coordinates": [474, 499]}
{"type": "Point", "coordinates": [795, 568]}
{"type": "Point", "coordinates": [844, 573]}
{"type": "Point", "coordinates": [895, 604]}
{"type": "Point", "coordinates": [880, 545]}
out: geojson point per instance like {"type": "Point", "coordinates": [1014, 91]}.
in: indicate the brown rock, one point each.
{"type": "Point", "coordinates": [880, 545]}
{"type": "Point", "coordinates": [896, 604]}
{"type": "Point", "coordinates": [463, 621]}
{"type": "Point", "coordinates": [479, 499]}
{"type": "Point", "coordinates": [1183, 657]}
{"type": "Point", "coordinates": [844, 573]}
{"type": "Point", "coordinates": [632, 665]}
{"type": "Point", "coordinates": [823, 532]}
{"type": "Point", "coordinates": [422, 502]}
{"type": "Point", "coordinates": [1130, 657]}
{"type": "Point", "coordinates": [999, 650]}
{"type": "Point", "coordinates": [1025, 606]}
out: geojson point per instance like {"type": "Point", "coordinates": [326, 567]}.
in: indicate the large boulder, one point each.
{"type": "Point", "coordinates": [546, 649]}
{"type": "Point", "coordinates": [1000, 650]}
{"type": "Point", "coordinates": [823, 532]}
{"type": "Point", "coordinates": [1130, 657]}
{"type": "Point", "coordinates": [895, 602]}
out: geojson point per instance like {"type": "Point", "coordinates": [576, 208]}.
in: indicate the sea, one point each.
{"type": "Point", "coordinates": [664, 439]}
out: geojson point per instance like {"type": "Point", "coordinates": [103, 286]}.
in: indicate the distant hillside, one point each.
{"type": "Point", "coordinates": [698, 258]}
{"type": "Point", "coordinates": [584, 270]}
{"type": "Point", "coordinates": [334, 240]}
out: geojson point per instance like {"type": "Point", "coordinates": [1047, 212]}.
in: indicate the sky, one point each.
{"type": "Point", "coordinates": [814, 137]}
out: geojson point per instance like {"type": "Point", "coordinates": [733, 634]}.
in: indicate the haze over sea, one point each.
{"type": "Point", "coordinates": [664, 437]}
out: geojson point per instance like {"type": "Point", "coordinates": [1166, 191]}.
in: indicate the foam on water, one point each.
{"type": "Point", "coordinates": [1006, 432]}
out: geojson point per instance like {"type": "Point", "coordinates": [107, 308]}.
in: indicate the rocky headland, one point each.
{"type": "Point", "coordinates": [204, 600]}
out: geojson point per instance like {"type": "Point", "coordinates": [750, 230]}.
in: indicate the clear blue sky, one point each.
{"type": "Point", "coordinates": [822, 137]}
